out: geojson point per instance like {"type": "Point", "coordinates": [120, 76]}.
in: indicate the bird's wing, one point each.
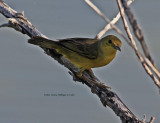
{"type": "Point", "coordinates": [83, 46]}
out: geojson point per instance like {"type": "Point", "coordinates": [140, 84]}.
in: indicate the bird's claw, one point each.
{"type": "Point", "coordinates": [101, 84]}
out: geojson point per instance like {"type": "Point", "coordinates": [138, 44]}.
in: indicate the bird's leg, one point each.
{"type": "Point", "coordinates": [90, 70]}
{"type": "Point", "coordinates": [79, 73]}
{"type": "Point", "coordinates": [96, 84]}
{"type": "Point", "coordinates": [99, 84]}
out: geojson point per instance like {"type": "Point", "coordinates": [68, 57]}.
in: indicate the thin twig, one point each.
{"type": "Point", "coordinates": [140, 56]}
{"type": "Point", "coordinates": [114, 21]}
{"type": "Point", "coordinates": [5, 25]}
{"type": "Point", "coordinates": [137, 30]}
{"type": "Point", "coordinates": [107, 20]}
{"type": "Point", "coordinates": [152, 120]}
{"type": "Point", "coordinates": [152, 67]}
{"type": "Point", "coordinates": [95, 8]}
{"type": "Point", "coordinates": [144, 119]}
{"type": "Point", "coordinates": [138, 33]}
{"type": "Point", "coordinates": [126, 25]}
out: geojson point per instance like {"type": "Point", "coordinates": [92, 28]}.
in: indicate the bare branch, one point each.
{"type": "Point", "coordinates": [108, 21]}
{"type": "Point", "coordinates": [137, 30]}
{"type": "Point", "coordinates": [152, 120]}
{"type": "Point", "coordinates": [139, 35]}
{"type": "Point", "coordinates": [114, 21]}
{"type": "Point", "coordinates": [139, 55]}
{"type": "Point", "coordinates": [126, 25]}
{"type": "Point", "coordinates": [144, 119]}
{"type": "Point", "coordinates": [5, 25]}
{"type": "Point", "coordinates": [152, 67]}
{"type": "Point", "coordinates": [95, 8]}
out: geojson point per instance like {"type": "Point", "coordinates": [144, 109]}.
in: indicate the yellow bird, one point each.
{"type": "Point", "coordinates": [83, 53]}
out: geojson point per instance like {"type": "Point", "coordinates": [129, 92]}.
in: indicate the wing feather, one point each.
{"type": "Point", "coordinates": [83, 46]}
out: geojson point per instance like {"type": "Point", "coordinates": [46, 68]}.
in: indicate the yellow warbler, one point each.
{"type": "Point", "coordinates": [84, 53]}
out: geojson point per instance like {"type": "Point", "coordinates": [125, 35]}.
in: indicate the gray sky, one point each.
{"type": "Point", "coordinates": [26, 73]}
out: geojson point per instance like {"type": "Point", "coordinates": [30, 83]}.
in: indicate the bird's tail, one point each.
{"type": "Point", "coordinates": [43, 42]}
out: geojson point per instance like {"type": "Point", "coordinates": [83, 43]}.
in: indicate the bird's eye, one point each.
{"type": "Point", "coordinates": [110, 41]}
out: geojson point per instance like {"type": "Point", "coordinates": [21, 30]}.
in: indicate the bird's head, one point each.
{"type": "Point", "coordinates": [111, 43]}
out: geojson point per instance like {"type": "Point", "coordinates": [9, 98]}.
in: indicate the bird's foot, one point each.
{"type": "Point", "coordinates": [96, 84]}
{"type": "Point", "coordinates": [101, 84]}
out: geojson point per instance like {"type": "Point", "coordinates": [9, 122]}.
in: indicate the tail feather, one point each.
{"type": "Point", "coordinates": [43, 42]}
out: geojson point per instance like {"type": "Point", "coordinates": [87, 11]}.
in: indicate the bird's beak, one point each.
{"type": "Point", "coordinates": [117, 47]}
